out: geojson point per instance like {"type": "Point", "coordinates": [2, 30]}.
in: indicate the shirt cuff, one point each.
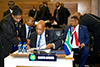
{"type": "Point", "coordinates": [83, 44]}
{"type": "Point", "coordinates": [53, 46]}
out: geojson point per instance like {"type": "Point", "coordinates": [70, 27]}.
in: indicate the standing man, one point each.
{"type": "Point", "coordinates": [60, 14]}
{"type": "Point", "coordinates": [32, 11]}
{"type": "Point", "coordinates": [44, 38]}
{"type": "Point", "coordinates": [44, 11]}
{"type": "Point", "coordinates": [10, 10]}
{"type": "Point", "coordinates": [67, 12]}
{"type": "Point", "coordinates": [9, 33]}
{"type": "Point", "coordinates": [27, 29]}
{"type": "Point", "coordinates": [93, 25]}
{"type": "Point", "coordinates": [79, 39]}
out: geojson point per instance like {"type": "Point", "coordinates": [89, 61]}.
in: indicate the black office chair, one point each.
{"type": "Point", "coordinates": [64, 26]}
{"type": "Point", "coordinates": [58, 31]}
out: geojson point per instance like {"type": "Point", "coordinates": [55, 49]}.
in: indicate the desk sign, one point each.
{"type": "Point", "coordinates": [42, 57]}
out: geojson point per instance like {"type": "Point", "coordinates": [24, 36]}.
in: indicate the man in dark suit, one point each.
{"type": "Point", "coordinates": [11, 5]}
{"type": "Point", "coordinates": [38, 17]}
{"type": "Point", "coordinates": [8, 34]}
{"type": "Point", "coordinates": [93, 26]}
{"type": "Point", "coordinates": [32, 11]}
{"type": "Point", "coordinates": [67, 13]}
{"type": "Point", "coordinates": [27, 29]}
{"type": "Point", "coordinates": [79, 39]}
{"type": "Point", "coordinates": [44, 11]}
{"type": "Point", "coordinates": [61, 14]}
{"type": "Point", "coordinates": [42, 36]}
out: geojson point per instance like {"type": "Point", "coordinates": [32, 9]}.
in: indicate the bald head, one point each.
{"type": "Point", "coordinates": [78, 14]}
{"type": "Point", "coordinates": [40, 27]}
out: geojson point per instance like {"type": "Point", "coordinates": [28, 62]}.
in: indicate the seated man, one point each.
{"type": "Point", "coordinates": [44, 38]}
{"type": "Point", "coordinates": [79, 39]}
{"type": "Point", "coordinates": [27, 29]}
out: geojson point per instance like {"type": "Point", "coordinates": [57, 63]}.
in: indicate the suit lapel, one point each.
{"type": "Point", "coordinates": [35, 39]}
{"type": "Point", "coordinates": [25, 30]}
{"type": "Point", "coordinates": [79, 32]}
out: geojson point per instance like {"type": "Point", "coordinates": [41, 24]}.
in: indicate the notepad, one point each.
{"type": "Point", "coordinates": [57, 52]}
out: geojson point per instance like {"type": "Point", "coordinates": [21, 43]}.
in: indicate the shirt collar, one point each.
{"type": "Point", "coordinates": [58, 8]}
{"type": "Point", "coordinates": [11, 10]}
{"type": "Point", "coordinates": [26, 25]}
{"type": "Point", "coordinates": [45, 5]}
{"type": "Point", "coordinates": [34, 10]}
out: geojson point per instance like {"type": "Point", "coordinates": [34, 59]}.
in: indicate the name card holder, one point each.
{"type": "Point", "coordinates": [42, 57]}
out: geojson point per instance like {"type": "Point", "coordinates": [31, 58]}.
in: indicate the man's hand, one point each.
{"type": "Point", "coordinates": [19, 39]}
{"type": "Point", "coordinates": [28, 41]}
{"type": "Point", "coordinates": [64, 24]}
{"type": "Point", "coordinates": [49, 46]}
{"type": "Point", "coordinates": [28, 47]}
{"type": "Point", "coordinates": [82, 45]}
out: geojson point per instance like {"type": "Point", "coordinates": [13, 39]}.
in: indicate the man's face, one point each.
{"type": "Point", "coordinates": [57, 5]}
{"type": "Point", "coordinates": [73, 22]}
{"type": "Point", "coordinates": [11, 7]}
{"type": "Point", "coordinates": [17, 18]}
{"type": "Point", "coordinates": [51, 21]}
{"type": "Point", "coordinates": [30, 22]}
{"type": "Point", "coordinates": [40, 29]}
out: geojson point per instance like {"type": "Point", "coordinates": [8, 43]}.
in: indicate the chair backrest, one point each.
{"type": "Point", "coordinates": [58, 31]}
{"type": "Point", "coordinates": [64, 26]}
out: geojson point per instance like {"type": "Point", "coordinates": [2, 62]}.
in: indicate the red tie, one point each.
{"type": "Point", "coordinates": [76, 38]}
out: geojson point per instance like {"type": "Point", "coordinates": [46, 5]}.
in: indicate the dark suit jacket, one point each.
{"type": "Point", "coordinates": [6, 12]}
{"type": "Point", "coordinates": [44, 13]}
{"type": "Point", "coordinates": [63, 15]}
{"type": "Point", "coordinates": [83, 34]}
{"type": "Point", "coordinates": [8, 35]}
{"type": "Point", "coordinates": [23, 32]}
{"type": "Point", "coordinates": [38, 17]}
{"type": "Point", "coordinates": [32, 13]}
{"type": "Point", "coordinates": [49, 34]}
{"type": "Point", "coordinates": [91, 23]}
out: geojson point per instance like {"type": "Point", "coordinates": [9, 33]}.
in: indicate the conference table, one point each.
{"type": "Point", "coordinates": [22, 60]}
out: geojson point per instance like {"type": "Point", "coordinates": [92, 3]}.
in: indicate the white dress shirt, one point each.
{"type": "Point", "coordinates": [11, 10]}
{"type": "Point", "coordinates": [27, 29]}
{"type": "Point", "coordinates": [42, 41]}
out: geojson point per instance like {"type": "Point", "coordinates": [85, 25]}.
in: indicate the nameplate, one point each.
{"type": "Point", "coordinates": [40, 57]}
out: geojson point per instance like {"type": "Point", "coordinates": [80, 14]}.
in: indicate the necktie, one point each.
{"type": "Point", "coordinates": [39, 41]}
{"type": "Point", "coordinates": [29, 30]}
{"type": "Point", "coordinates": [76, 38]}
{"type": "Point", "coordinates": [57, 17]}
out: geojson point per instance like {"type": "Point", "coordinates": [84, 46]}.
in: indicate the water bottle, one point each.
{"type": "Point", "coordinates": [19, 48]}
{"type": "Point", "coordinates": [24, 48]}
